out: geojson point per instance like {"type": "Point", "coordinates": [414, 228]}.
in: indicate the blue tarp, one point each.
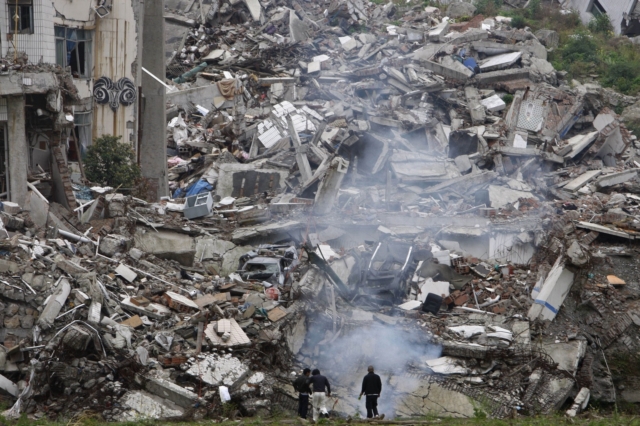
{"type": "Point", "coordinates": [471, 64]}
{"type": "Point", "coordinates": [197, 188]}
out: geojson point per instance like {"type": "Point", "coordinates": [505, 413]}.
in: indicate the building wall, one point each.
{"type": "Point", "coordinates": [115, 56]}
{"type": "Point", "coordinates": [39, 46]}
{"type": "Point", "coordinates": [615, 9]}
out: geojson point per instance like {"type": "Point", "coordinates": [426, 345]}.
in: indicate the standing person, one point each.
{"type": "Point", "coordinates": [321, 390]}
{"type": "Point", "coordinates": [301, 384]}
{"type": "Point", "coordinates": [371, 387]}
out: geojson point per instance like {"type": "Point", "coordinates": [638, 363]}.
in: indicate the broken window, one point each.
{"type": "Point", "coordinates": [82, 130]}
{"type": "Point", "coordinates": [73, 49]}
{"type": "Point", "coordinates": [21, 16]}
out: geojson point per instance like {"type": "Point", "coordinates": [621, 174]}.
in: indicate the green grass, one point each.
{"type": "Point", "coordinates": [584, 50]}
{"type": "Point", "coordinates": [593, 420]}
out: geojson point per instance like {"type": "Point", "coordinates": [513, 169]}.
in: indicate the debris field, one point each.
{"type": "Point", "coordinates": [351, 184]}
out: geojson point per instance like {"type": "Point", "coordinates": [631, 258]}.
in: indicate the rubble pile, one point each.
{"type": "Point", "coordinates": [352, 184]}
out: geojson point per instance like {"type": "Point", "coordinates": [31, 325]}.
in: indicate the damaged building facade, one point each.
{"type": "Point", "coordinates": [70, 74]}
{"type": "Point", "coordinates": [623, 14]}
{"type": "Point", "coordinates": [429, 196]}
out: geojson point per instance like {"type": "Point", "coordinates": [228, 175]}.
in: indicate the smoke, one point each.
{"type": "Point", "coordinates": [395, 351]}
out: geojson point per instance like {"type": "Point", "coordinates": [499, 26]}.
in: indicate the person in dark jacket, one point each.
{"type": "Point", "coordinates": [371, 387]}
{"type": "Point", "coordinates": [321, 390]}
{"type": "Point", "coordinates": [301, 384]}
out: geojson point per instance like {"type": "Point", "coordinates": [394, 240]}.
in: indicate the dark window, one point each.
{"type": "Point", "coordinates": [597, 9]}
{"type": "Point", "coordinates": [21, 14]}
{"type": "Point", "coordinates": [73, 49]}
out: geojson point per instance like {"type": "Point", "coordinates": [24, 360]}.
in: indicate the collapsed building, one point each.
{"type": "Point", "coordinates": [351, 184]}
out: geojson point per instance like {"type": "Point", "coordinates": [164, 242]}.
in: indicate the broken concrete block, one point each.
{"type": "Point", "coordinates": [500, 62]}
{"type": "Point", "coordinates": [494, 103]}
{"type": "Point", "coordinates": [70, 267]}
{"type": "Point", "coordinates": [348, 43]}
{"type": "Point", "coordinates": [438, 33]}
{"type": "Point", "coordinates": [216, 370]}
{"type": "Point", "coordinates": [8, 387]}
{"type": "Point", "coordinates": [140, 405]}
{"type": "Point", "coordinates": [460, 10]}
{"type": "Point", "coordinates": [256, 181]}
{"type": "Point", "coordinates": [616, 178]}
{"type": "Point", "coordinates": [580, 402]}
{"type": "Point", "coordinates": [94, 316]}
{"type": "Point", "coordinates": [330, 185]}
{"type": "Point", "coordinates": [463, 164]}
{"type": "Point", "coordinates": [167, 245]}
{"type": "Point", "coordinates": [549, 298]}
{"type": "Point", "coordinates": [548, 38]}
{"type": "Point", "coordinates": [500, 196]}
{"type": "Point", "coordinates": [11, 208]}
{"type": "Point", "coordinates": [113, 244]}
{"type": "Point", "coordinates": [567, 355]}
{"type": "Point", "coordinates": [255, 9]}
{"type": "Point", "coordinates": [476, 109]}
{"type": "Point", "coordinates": [55, 304]}
{"type": "Point", "coordinates": [582, 180]}
{"type": "Point", "coordinates": [9, 266]}
{"type": "Point", "coordinates": [171, 391]}
{"type": "Point", "coordinates": [298, 29]}
{"type": "Point", "coordinates": [577, 254]}
{"type": "Point", "coordinates": [126, 273]}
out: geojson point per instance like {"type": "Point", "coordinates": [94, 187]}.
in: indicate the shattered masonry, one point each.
{"type": "Point", "coordinates": [350, 185]}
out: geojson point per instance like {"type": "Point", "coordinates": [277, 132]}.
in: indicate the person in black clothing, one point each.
{"type": "Point", "coordinates": [301, 384]}
{"type": "Point", "coordinates": [321, 390]}
{"type": "Point", "coordinates": [371, 387]}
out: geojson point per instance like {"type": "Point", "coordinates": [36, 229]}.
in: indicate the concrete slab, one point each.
{"type": "Point", "coordinates": [429, 399]}
{"type": "Point", "coordinates": [141, 405]}
{"type": "Point", "coordinates": [216, 370]}
{"type": "Point", "coordinates": [566, 354]}
{"type": "Point", "coordinates": [255, 9]}
{"type": "Point", "coordinates": [244, 180]}
{"type": "Point", "coordinates": [494, 103]}
{"type": "Point", "coordinates": [500, 196]}
{"type": "Point", "coordinates": [616, 178]}
{"type": "Point", "coordinates": [171, 391]}
{"type": "Point", "coordinates": [582, 180]}
{"type": "Point", "coordinates": [500, 61]}
{"type": "Point", "coordinates": [604, 230]}
{"type": "Point", "coordinates": [166, 245]}
{"type": "Point", "coordinates": [549, 298]}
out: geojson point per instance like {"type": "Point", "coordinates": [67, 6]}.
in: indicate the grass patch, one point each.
{"type": "Point", "coordinates": [590, 419]}
{"type": "Point", "coordinates": [488, 7]}
{"type": "Point", "coordinates": [584, 51]}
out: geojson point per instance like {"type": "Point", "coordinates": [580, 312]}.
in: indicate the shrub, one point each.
{"type": "Point", "coordinates": [508, 98]}
{"type": "Point", "coordinates": [533, 9]}
{"type": "Point", "coordinates": [601, 24]}
{"type": "Point", "coordinates": [581, 47]}
{"type": "Point", "coordinates": [109, 162]}
{"type": "Point", "coordinates": [488, 7]}
{"type": "Point", "coordinates": [518, 21]}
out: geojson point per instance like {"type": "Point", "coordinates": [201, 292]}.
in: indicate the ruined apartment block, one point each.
{"type": "Point", "coordinates": [71, 73]}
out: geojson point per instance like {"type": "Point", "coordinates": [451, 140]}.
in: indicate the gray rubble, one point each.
{"type": "Point", "coordinates": [327, 185]}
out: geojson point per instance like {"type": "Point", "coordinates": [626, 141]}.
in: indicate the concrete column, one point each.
{"type": "Point", "coordinates": [153, 145]}
{"type": "Point", "coordinates": [18, 150]}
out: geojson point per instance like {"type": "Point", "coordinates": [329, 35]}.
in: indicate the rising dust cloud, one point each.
{"type": "Point", "coordinates": [393, 350]}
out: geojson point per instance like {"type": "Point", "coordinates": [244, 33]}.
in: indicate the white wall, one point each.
{"type": "Point", "coordinates": [41, 44]}
{"type": "Point", "coordinates": [615, 9]}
